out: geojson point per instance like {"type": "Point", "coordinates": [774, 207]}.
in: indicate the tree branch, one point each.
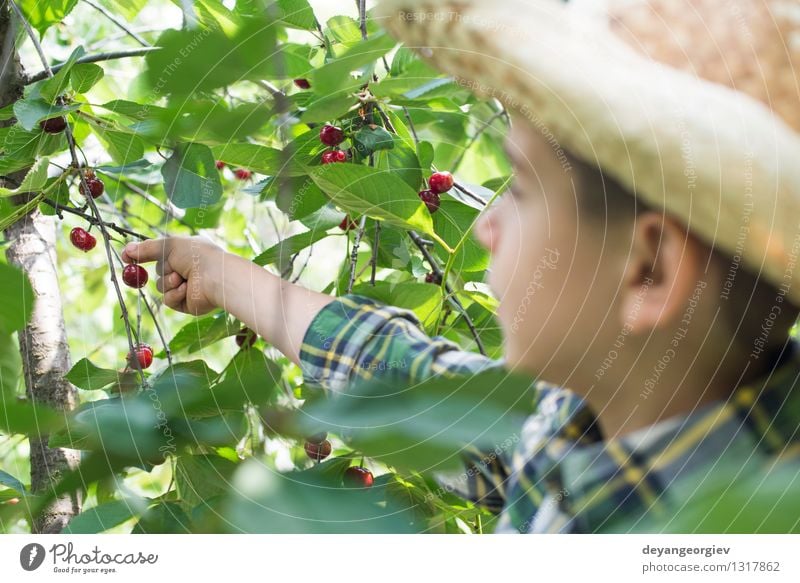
{"type": "Point", "coordinates": [92, 220]}
{"type": "Point", "coordinates": [48, 71]}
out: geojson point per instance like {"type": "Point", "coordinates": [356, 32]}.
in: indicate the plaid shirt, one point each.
{"type": "Point", "coordinates": [562, 475]}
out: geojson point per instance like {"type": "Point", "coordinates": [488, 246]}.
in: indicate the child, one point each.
{"type": "Point", "coordinates": [644, 256]}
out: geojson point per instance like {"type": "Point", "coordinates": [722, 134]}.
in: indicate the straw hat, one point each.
{"type": "Point", "coordinates": [694, 105]}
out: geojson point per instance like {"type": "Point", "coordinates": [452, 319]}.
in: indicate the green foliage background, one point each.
{"type": "Point", "coordinates": [152, 127]}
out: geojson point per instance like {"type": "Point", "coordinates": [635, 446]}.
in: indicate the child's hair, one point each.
{"type": "Point", "coordinates": [749, 302]}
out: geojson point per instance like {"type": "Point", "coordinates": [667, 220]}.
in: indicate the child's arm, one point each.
{"type": "Point", "coordinates": [196, 276]}
{"type": "Point", "coordinates": [334, 340]}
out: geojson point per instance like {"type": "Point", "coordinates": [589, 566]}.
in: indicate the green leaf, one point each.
{"type": "Point", "coordinates": [132, 109]}
{"type": "Point", "coordinates": [201, 333]}
{"type": "Point", "coordinates": [34, 180]}
{"type": "Point", "coordinates": [123, 147]}
{"type": "Point", "coordinates": [50, 89]}
{"type": "Point", "coordinates": [402, 161]}
{"type": "Point", "coordinates": [344, 29]}
{"type": "Point", "coordinates": [262, 500]}
{"type": "Point", "coordinates": [251, 156]}
{"type": "Point", "coordinates": [20, 148]}
{"type": "Point", "coordinates": [368, 140]}
{"type": "Point", "coordinates": [128, 8]}
{"type": "Point", "coordinates": [84, 76]}
{"type": "Point", "coordinates": [10, 481]}
{"type": "Point", "coordinates": [377, 193]}
{"type": "Point", "coordinates": [425, 154]}
{"type": "Point", "coordinates": [105, 516]}
{"type": "Point", "coordinates": [424, 299]}
{"type": "Point", "coordinates": [164, 518]}
{"type": "Point", "coordinates": [19, 416]}
{"type": "Point", "coordinates": [29, 112]}
{"type": "Point", "coordinates": [451, 222]}
{"type": "Point", "coordinates": [296, 196]}
{"type": "Point", "coordinates": [250, 377]}
{"type": "Point", "coordinates": [88, 376]}
{"type": "Point", "coordinates": [329, 106]}
{"type": "Point", "coordinates": [191, 178]}
{"type": "Point", "coordinates": [280, 252]}
{"type": "Point", "coordinates": [335, 76]}
{"type": "Point", "coordinates": [297, 14]}
{"type": "Point", "coordinates": [184, 389]}
{"type": "Point", "coordinates": [425, 425]}
{"type": "Point", "coordinates": [18, 298]}
{"type": "Point", "coordinates": [200, 477]}
{"type": "Point", "coordinates": [199, 60]}
{"type": "Point", "coordinates": [41, 15]}
{"type": "Point", "coordinates": [126, 428]}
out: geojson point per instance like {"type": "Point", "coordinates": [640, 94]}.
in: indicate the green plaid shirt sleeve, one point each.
{"type": "Point", "coordinates": [355, 337]}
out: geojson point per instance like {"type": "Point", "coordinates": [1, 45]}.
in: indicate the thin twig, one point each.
{"type": "Point", "coordinates": [296, 278]}
{"type": "Point", "coordinates": [450, 295]}
{"type": "Point", "coordinates": [118, 23]}
{"type": "Point", "coordinates": [48, 71]}
{"type": "Point", "coordinates": [362, 18]}
{"type": "Point", "coordinates": [411, 125]}
{"type": "Point", "coordinates": [92, 220]}
{"type": "Point", "coordinates": [463, 189]}
{"type": "Point", "coordinates": [475, 137]}
{"type": "Point", "coordinates": [375, 244]}
{"type": "Point", "coordinates": [354, 253]}
{"type": "Point", "coordinates": [74, 154]}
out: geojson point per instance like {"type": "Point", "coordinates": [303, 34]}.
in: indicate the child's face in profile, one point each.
{"type": "Point", "coordinates": [555, 273]}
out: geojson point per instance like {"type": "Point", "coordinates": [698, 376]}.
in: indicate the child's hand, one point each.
{"type": "Point", "coordinates": [189, 270]}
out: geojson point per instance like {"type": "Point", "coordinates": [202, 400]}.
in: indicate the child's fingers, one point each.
{"type": "Point", "coordinates": [150, 250]}
{"type": "Point", "coordinates": [169, 282]}
{"type": "Point", "coordinates": [176, 298]}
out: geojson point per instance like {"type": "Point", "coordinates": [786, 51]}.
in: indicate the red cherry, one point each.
{"type": "Point", "coordinates": [331, 135]}
{"type": "Point", "coordinates": [358, 477]}
{"type": "Point", "coordinates": [348, 224]}
{"type": "Point", "coordinates": [318, 451]}
{"type": "Point", "coordinates": [220, 164]}
{"type": "Point", "coordinates": [134, 275]}
{"type": "Point", "coordinates": [245, 336]}
{"type": "Point", "coordinates": [433, 277]}
{"type": "Point", "coordinates": [144, 355]}
{"type": "Point", "coordinates": [317, 437]}
{"type": "Point", "coordinates": [242, 174]}
{"type": "Point", "coordinates": [431, 200]}
{"type": "Point", "coordinates": [95, 186]}
{"type": "Point", "coordinates": [54, 125]}
{"type": "Point", "coordinates": [302, 83]}
{"type": "Point", "coordinates": [334, 156]}
{"type": "Point", "coordinates": [441, 182]}
{"type": "Point", "coordinates": [82, 239]}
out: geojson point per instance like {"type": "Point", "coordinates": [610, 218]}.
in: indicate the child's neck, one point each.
{"type": "Point", "coordinates": [657, 393]}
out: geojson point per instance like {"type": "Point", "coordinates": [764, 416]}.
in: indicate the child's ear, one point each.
{"type": "Point", "coordinates": [665, 266]}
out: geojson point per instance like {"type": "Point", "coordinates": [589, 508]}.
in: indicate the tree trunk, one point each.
{"type": "Point", "coordinates": [43, 342]}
